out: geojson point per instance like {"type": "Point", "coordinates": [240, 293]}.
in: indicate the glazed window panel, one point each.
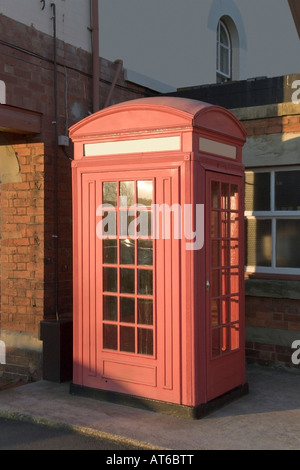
{"type": "Point", "coordinates": [272, 220]}
{"type": "Point", "coordinates": [128, 258]}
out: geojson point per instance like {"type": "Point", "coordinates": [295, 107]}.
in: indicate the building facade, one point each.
{"type": "Point", "coordinates": [269, 110]}
{"type": "Point", "coordinates": [47, 77]}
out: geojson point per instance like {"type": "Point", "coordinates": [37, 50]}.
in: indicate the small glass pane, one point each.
{"type": "Point", "coordinates": [225, 310]}
{"type": "Point", "coordinates": [225, 281]}
{"type": "Point", "coordinates": [259, 242]}
{"type": "Point", "coordinates": [110, 308]}
{"type": "Point", "coordinates": [224, 224]}
{"type": "Point", "coordinates": [225, 195]}
{"type": "Point", "coordinates": [234, 253]}
{"type": "Point", "coordinates": [145, 341]}
{"type": "Point", "coordinates": [215, 288]}
{"type": "Point", "coordinates": [234, 197]}
{"type": "Point", "coordinates": [110, 337]}
{"type": "Point", "coordinates": [126, 193]}
{"type": "Point", "coordinates": [144, 224]}
{"type": "Point", "coordinates": [127, 251]}
{"type": "Point", "coordinates": [225, 339]}
{"type": "Point", "coordinates": [145, 192]}
{"type": "Point", "coordinates": [215, 312]}
{"type": "Point", "coordinates": [234, 225]}
{"type": "Point", "coordinates": [127, 309]}
{"type": "Point", "coordinates": [145, 252]}
{"type": "Point", "coordinates": [287, 244]}
{"type": "Point", "coordinates": [215, 195]}
{"type": "Point", "coordinates": [110, 251]}
{"type": "Point", "coordinates": [214, 229]}
{"type": "Point", "coordinates": [215, 253]}
{"type": "Point", "coordinates": [127, 224]}
{"type": "Point", "coordinates": [216, 343]}
{"type": "Point", "coordinates": [110, 279]}
{"type": "Point", "coordinates": [257, 191]}
{"type": "Point", "coordinates": [145, 282]}
{"type": "Point", "coordinates": [234, 308]}
{"type": "Point", "coordinates": [234, 281]}
{"type": "Point", "coordinates": [127, 281]}
{"type": "Point", "coordinates": [110, 193]}
{"type": "Point", "coordinates": [224, 254]}
{"type": "Point", "coordinates": [224, 60]}
{"type": "Point", "coordinates": [127, 339]}
{"type": "Point", "coordinates": [223, 36]}
{"type": "Point", "coordinates": [287, 190]}
{"type": "Point", "coordinates": [108, 224]}
{"type": "Point", "coordinates": [145, 312]}
{"type": "Point", "coordinates": [235, 336]}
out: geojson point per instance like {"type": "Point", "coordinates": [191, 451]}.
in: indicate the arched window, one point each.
{"type": "Point", "coordinates": [224, 53]}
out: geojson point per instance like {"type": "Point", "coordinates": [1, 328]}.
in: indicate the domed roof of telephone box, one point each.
{"type": "Point", "coordinates": [155, 113]}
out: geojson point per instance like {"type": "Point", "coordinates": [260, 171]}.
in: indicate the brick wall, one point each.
{"type": "Point", "coordinates": [36, 249]}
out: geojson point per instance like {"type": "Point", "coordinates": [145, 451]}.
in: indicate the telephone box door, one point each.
{"type": "Point", "coordinates": [224, 283]}
{"type": "Point", "coordinates": [130, 286]}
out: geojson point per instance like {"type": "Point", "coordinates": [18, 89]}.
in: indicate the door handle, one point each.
{"type": "Point", "coordinates": [207, 285]}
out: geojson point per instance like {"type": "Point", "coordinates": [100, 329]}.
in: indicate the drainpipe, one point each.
{"type": "Point", "coordinates": [95, 51]}
{"type": "Point", "coordinates": [55, 146]}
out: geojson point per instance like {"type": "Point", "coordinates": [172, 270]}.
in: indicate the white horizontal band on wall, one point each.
{"type": "Point", "coordinates": [156, 144]}
{"type": "Point", "coordinates": [217, 148]}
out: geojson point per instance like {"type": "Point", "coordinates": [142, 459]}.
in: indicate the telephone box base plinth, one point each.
{"type": "Point", "coordinates": [180, 411]}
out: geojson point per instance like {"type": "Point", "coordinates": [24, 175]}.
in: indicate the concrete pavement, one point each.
{"type": "Point", "coordinates": [267, 418]}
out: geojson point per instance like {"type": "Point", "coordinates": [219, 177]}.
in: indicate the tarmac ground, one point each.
{"type": "Point", "coordinates": [267, 418]}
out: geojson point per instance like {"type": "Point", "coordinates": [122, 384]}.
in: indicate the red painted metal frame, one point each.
{"type": "Point", "coordinates": [184, 354]}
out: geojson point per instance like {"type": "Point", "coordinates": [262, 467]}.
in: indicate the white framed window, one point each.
{"type": "Point", "coordinates": [224, 53]}
{"type": "Point", "coordinates": [272, 213]}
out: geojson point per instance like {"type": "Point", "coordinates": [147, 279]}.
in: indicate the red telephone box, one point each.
{"type": "Point", "coordinates": [159, 255]}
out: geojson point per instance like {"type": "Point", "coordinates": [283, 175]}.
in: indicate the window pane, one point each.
{"type": "Point", "coordinates": [145, 312]}
{"type": "Point", "coordinates": [145, 252]}
{"type": "Point", "coordinates": [110, 279]}
{"type": "Point", "coordinates": [110, 308]}
{"type": "Point", "coordinates": [145, 282]}
{"type": "Point", "coordinates": [127, 309]}
{"type": "Point", "coordinates": [224, 60]}
{"type": "Point", "coordinates": [145, 190]}
{"type": "Point", "coordinates": [110, 193]}
{"type": "Point", "coordinates": [127, 339]}
{"type": "Point", "coordinates": [287, 190]}
{"type": "Point", "coordinates": [127, 251]}
{"type": "Point", "coordinates": [110, 337]}
{"type": "Point", "coordinates": [216, 343]}
{"type": "Point", "coordinates": [257, 191]}
{"type": "Point", "coordinates": [287, 244]}
{"type": "Point", "coordinates": [110, 251]}
{"type": "Point", "coordinates": [259, 242]}
{"type": "Point", "coordinates": [215, 195]}
{"type": "Point", "coordinates": [126, 193]}
{"type": "Point", "coordinates": [225, 195]}
{"type": "Point", "coordinates": [127, 281]}
{"type": "Point", "coordinates": [215, 312]}
{"type": "Point", "coordinates": [144, 223]}
{"type": "Point", "coordinates": [145, 341]}
{"type": "Point", "coordinates": [224, 36]}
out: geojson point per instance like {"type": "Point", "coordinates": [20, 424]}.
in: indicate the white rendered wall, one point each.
{"type": "Point", "coordinates": [175, 40]}
{"type": "Point", "coordinates": [73, 17]}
